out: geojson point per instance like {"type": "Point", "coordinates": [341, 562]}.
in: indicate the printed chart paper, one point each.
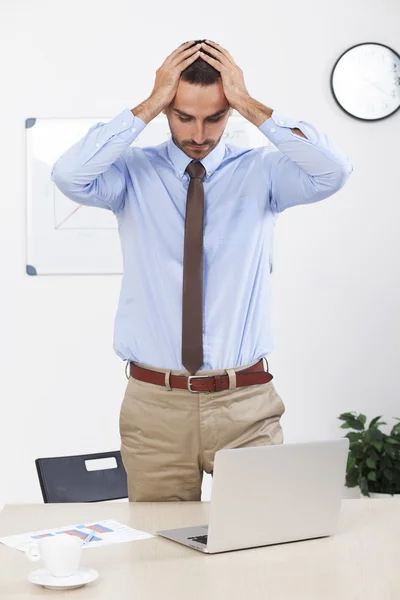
{"type": "Point", "coordinates": [105, 532]}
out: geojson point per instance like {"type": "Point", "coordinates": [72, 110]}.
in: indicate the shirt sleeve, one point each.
{"type": "Point", "coordinates": [93, 170]}
{"type": "Point", "coordinates": [301, 171]}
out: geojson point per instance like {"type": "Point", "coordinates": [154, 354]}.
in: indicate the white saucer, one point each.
{"type": "Point", "coordinates": [82, 576]}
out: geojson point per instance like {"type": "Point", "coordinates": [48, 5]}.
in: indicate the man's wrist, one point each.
{"type": "Point", "coordinates": [147, 110]}
{"type": "Point", "coordinates": [252, 110]}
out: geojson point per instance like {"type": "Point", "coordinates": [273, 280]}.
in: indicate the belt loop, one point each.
{"type": "Point", "coordinates": [232, 378]}
{"type": "Point", "coordinates": [167, 381]}
{"type": "Point", "coordinates": [126, 369]}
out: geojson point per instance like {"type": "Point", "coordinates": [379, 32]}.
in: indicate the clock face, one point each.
{"type": "Point", "coordinates": [365, 81]}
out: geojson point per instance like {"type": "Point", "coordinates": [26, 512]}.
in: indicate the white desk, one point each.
{"type": "Point", "coordinates": [362, 561]}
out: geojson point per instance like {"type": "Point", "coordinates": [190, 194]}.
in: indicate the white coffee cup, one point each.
{"type": "Point", "coordinates": [61, 553]}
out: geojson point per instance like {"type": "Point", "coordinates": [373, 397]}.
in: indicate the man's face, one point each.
{"type": "Point", "coordinates": [193, 120]}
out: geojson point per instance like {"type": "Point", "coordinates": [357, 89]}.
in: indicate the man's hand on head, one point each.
{"type": "Point", "coordinates": [231, 74]}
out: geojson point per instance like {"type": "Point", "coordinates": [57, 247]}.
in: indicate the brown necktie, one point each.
{"type": "Point", "coordinates": [192, 301]}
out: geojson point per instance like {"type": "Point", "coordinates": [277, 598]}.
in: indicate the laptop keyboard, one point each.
{"type": "Point", "coordinates": [201, 539]}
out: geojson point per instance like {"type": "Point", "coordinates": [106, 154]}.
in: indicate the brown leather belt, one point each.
{"type": "Point", "coordinates": [204, 383]}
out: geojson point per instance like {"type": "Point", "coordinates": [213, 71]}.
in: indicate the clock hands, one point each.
{"type": "Point", "coordinates": [378, 87]}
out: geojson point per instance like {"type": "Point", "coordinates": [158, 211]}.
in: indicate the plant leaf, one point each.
{"type": "Point", "coordinates": [373, 454]}
{"type": "Point", "coordinates": [362, 418]}
{"type": "Point", "coordinates": [372, 476]}
{"type": "Point", "coordinates": [348, 415]}
{"type": "Point", "coordinates": [352, 477]}
{"type": "Point", "coordinates": [356, 424]}
{"type": "Point", "coordinates": [364, 486]}
{"type": "Point", "coordinates": [377, 445]}
{"type": "Point", "coordinates": [375, 434]}
{"type": "Point", "coordinates": [351, 462]}
{"type": "Point", "coordinates": [354, 436]}
{"type": "Point", "coordinates": [390, 450]}
{"type": "Point", "coordinates": [374, 421]}
{"type": "Point", "coordinates": [388, 474]}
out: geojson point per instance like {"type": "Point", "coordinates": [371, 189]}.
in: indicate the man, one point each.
{"type": "Point", "coordinates": [196, 218]}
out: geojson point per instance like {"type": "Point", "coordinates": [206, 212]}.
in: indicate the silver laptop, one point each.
{"type": "Point", "coordinates": [269, 495]}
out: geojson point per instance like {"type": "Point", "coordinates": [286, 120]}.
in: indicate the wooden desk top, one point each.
{"type": "Point", "coordinates": [362, 561]}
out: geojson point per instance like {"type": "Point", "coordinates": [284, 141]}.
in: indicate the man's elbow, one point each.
{"type": "Point", "coordinates": [62, 178]}
{"type": "Point", "coordinates": [332, 182]}
{"type": "Point", "coordinates": [341, 176]}
{"type": "Point", "coordinates": [56, 174]}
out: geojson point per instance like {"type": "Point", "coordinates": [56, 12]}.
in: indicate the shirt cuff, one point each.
{"type": "Point", "coordinates": [278, 129]}
{"type": "Point", "coordinates": [126, 126]}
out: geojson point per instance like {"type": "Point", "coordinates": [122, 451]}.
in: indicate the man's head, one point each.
{"type": "Point", "coordinates": [199, 111]}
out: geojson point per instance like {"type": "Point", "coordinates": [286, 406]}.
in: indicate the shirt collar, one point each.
{"type": "Point", "coordinates": [180, 160]}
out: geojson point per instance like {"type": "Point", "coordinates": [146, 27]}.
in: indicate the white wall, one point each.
{"type": "Point", "coordinates": [337, 292]}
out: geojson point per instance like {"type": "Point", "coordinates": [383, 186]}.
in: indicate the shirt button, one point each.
{"type": "Point", "coordinates": [97, 145]}
{"type": "Point", "coordinates": [273, 130]}
{"type": "Point", "coordinates": [281, 122]}
{"type": "Point", "coordinates": [124, 123]}
{"type": "Point", "coordinates": [133, 129]}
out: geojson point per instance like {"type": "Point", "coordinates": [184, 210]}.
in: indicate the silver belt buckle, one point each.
{"type": "Point", "coordinates": [195, 377]}
{"type": "Point", "coordinates": [266, 362]}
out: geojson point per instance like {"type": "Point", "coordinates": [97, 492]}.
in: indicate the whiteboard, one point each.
{"type": "Point", "coordinates": [66, 238]}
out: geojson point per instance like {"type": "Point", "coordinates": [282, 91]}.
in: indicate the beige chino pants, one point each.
{"type": "Point", "coordinates": [170, 437]}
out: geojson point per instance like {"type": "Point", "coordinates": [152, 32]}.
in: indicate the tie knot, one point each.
{"type": "Point", "coordinates": [196, 170]}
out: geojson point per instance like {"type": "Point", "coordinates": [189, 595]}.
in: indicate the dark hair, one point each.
{"type": "Point", "coordinates": [200, 72]}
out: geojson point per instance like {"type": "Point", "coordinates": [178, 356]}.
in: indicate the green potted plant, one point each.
{"type": "Point", "coordinates": [374, 456]}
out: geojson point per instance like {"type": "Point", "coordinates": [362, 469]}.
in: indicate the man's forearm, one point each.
{"type": "Point", "coordinates": [257, 113]}
{"type": "Point", "coordinates": [147, 110]}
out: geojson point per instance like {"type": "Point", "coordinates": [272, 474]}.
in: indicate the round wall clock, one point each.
{"type": "Point", "coordinates": [365, 81]}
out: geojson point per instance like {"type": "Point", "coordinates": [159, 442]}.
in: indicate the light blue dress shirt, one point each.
{"type": "Point", "coordinates": [244, 191]}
